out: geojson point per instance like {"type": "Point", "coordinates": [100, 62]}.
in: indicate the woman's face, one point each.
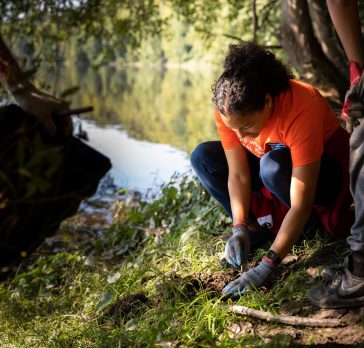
{"type": "Point", "coordinates": [250, 125]}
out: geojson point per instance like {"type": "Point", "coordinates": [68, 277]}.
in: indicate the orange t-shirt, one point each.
{"type": "Point", "coordinates": [301, 120]}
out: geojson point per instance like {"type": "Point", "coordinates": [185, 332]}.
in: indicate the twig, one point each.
{"type": "Point", "coordinates": [138, 227]}
{"type": "Point", "coordinates": [286, 319]}
{"type": "Point", "coordinates": [75, 111]}
{"type": "Point", "coordinates": [230, 36]}
{"type": "Point", "coordinates": [265, 10]}
{"type": "Point", "coordinates": [255, 19]}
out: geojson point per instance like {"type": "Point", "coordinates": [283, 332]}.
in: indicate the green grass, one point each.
{"type": "Point", "coordinates": [154, 248]}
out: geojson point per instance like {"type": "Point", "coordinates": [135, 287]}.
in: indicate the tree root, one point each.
{"type": "Point", "coordinates": [286, 319]}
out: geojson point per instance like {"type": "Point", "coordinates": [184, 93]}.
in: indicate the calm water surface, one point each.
{"type": "Point", "coordinates": [146, 120]}
{"type": "Point", "coordinates": [137, 164]}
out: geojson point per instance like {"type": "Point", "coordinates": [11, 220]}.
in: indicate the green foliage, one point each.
{"type": "Point", "coordinates": [153, 220]}
{"type": "Point", "coordinates": [120, 24]}
{"type": "Point", "coordinates": [152, 292]}
{"type": "Point", "coordinates": [95, 32]}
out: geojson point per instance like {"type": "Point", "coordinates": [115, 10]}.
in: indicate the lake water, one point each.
{"type": "Point", "coordinates": [146, 120]}
{"type": "Point", "coordinates": [137, 164]}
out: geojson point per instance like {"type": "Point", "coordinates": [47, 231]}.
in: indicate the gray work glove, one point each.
{"type": "Point", "coordinates": [254, 278]}
{"type": "Point", "coordinates": [237, 247]}
{"type": "Point", "coordinates": [353, 109]}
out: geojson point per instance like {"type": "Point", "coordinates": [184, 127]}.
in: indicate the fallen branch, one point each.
{"type": "Point", "coordinates": [286, 319]}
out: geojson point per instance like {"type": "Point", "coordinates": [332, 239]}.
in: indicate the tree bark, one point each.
{"type": "Point", "coordinates": [304, 51]}
{"type": "Point", "coordinates": [329, 41]}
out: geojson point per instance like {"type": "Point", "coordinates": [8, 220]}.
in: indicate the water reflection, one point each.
{"type": "Point", "coordinates": [137, 164]}
{"type": "Point", "coordinates": [163, 115]}
{"type": "Point", "coordinates": [162, 106]}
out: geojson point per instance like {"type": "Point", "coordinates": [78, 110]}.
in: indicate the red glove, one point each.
{"type": "Point", "coordinates": [355, 73]}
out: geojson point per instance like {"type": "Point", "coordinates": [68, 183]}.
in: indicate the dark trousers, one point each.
{"type": "Point", "coordinates": [273, 170]}
{"type": "Point", "coordinates": [356, 238]}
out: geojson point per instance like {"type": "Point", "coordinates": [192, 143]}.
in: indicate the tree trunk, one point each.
{"type": "Point", "coordinates": [325, 32]}
{"type": "Point", "coordinates": [304, 51]}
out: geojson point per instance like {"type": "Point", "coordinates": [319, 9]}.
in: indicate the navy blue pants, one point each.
{"type": "Point", "coordinates": [273, 170]}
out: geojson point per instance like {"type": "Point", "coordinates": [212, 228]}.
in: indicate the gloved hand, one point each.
{"type": "Point", "coordinates": [254, 278]}
{"type": "Point", "coordinates": [353, 108]}
{"type": "Point", "coordinates": [237, 247]}
{"type": "Point", "coordinates": [356, 107]}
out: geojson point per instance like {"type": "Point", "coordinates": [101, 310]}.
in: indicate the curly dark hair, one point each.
{"type": "Point", "coordinates": [250, 72]}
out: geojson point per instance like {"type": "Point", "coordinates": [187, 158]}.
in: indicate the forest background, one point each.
{"type": "Point", "coordinates": [169, 33]}
{"type": "Point", "coordinates": [188, 36]}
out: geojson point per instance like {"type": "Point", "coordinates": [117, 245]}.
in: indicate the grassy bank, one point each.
{"type": "Point", "coordinates": [154, 278]}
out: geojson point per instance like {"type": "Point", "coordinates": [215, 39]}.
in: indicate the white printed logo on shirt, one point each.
{"type": "Point", "coordinates": [266, 221]}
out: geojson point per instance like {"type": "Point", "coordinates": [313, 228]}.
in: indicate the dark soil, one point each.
{"type": "Point", "coordinates": [216, 281]}
{"type": "Point", "coordinates": [125, 306]}
{"type": "Point", "coordinates": [191, 286]}
{"type": "Point", "coordinates": [349, 336]}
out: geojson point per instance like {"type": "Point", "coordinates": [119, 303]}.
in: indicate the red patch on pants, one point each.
{"type": "Point", "coordinates": [335, 218]}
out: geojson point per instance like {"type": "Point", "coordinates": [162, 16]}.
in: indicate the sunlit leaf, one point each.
{"type": "Point", "coordinates": [105, 300]}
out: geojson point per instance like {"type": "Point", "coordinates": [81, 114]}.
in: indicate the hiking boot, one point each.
{"type": "Point", "coordinates": [341, 291]}
{"type": "Point", "coordinates": [328, 273]}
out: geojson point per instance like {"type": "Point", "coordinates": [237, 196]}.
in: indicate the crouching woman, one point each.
{"type": "Point", "coordinates": [279, 142]}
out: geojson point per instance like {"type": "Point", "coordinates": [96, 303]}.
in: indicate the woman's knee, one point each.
{"type": "Point", "coordinates": [198, 154]}
{"type": "Point", "coordinates": [276, 168]}
{"type": "Point", "coordinates": [204, 153]}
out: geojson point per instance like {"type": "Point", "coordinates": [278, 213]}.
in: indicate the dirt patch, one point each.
{"type": "Point", "coordinates": [191, 286]}
{"type": "Point", "coordinates": [210, 283]}
{"type": "Point", "coordinates": [347, 336]}
{"type": "Point", "coordinates": [214, 282]}
{"type": "Point", "coordinates": [347, 315]}
{"type": "Point", "coordinates": [125, 306]}
{"type": "Point", "coordinates": [299, 337]}
{"type": "Point", "coordinates": [173, 286]}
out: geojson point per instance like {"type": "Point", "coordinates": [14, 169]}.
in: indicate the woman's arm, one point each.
{"type": "Point", "coordinates": [303, 190]}
{"type": "Point", "coordinates": [239, 183]}
{"type": "Point", "coordinates": [237, 248]}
